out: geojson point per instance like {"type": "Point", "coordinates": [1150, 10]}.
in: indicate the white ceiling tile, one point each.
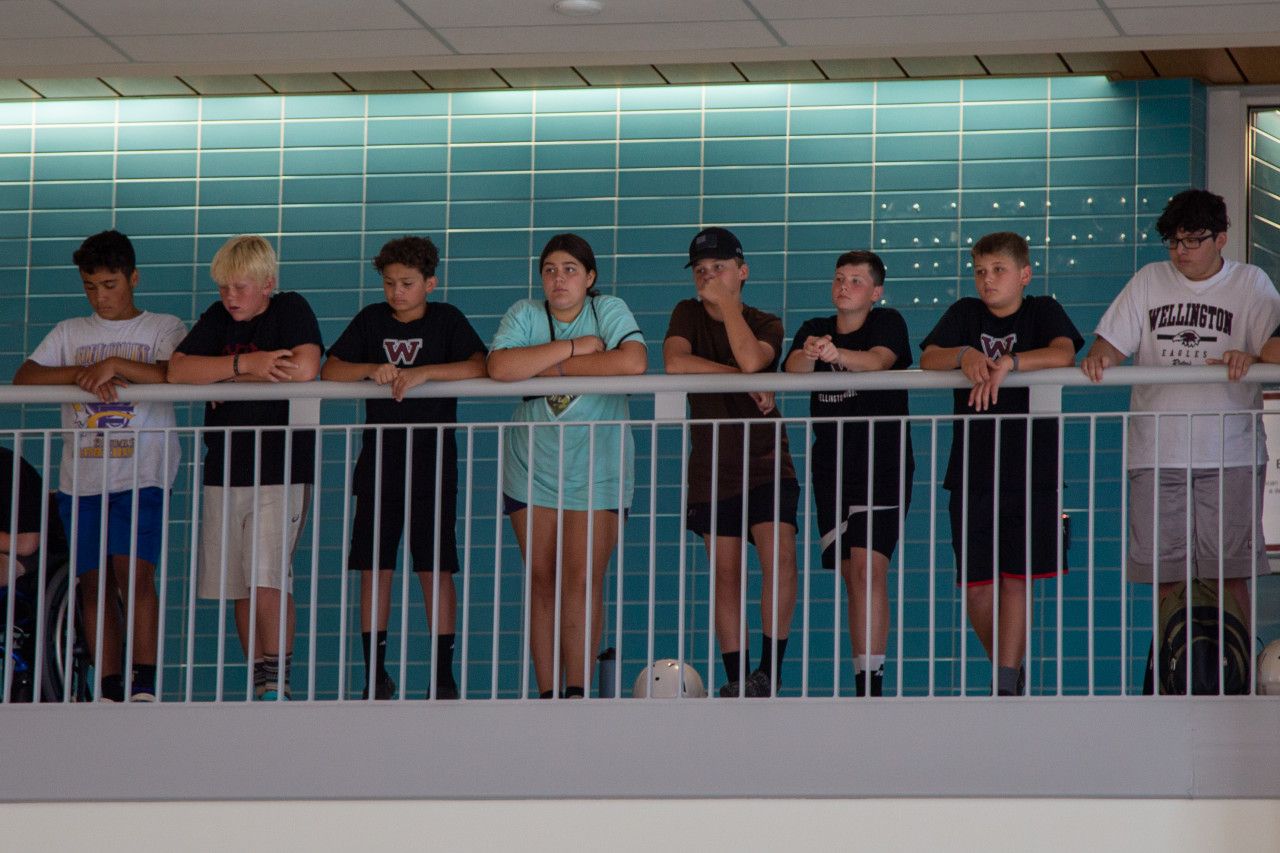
{"type": "Point", "coordinates": [532, 13]}
{"type": "Point", "coordinates": [1012, 27]}
{"type": "Point", "coordinates": [264, 48]}
{"type": "Point", "coordinates": [36, 19]}
{"type": "Point", "coordinates": [781, 10]}
{"type": "Point", "coordinates": [609, 38]}
{"type": "Point", "coordinates": [172, 17]}
{"type": "Point", "coordinates": [68, 52]}
{"type": "Point", "coordinates": [1226, 18]}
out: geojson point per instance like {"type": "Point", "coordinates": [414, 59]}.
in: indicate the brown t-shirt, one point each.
{"type": "Point", "coordinates": [709, 340]}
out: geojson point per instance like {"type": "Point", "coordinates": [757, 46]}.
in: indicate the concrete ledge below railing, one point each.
{"type": "Point", "coordinates": [627, 748]}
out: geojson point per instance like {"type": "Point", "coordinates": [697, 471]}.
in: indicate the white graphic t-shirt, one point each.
{"type": "Point", "coordinates": [1163, 318]}
{"type": "Point", "coordinates": [114, 431]}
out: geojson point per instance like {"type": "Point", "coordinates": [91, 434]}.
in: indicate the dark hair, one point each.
{"type": "Point", "coordinates": [863, 258]}
{"type": "Point", "coordinates": [417, 252]}
{"type": "Point", "coordinates": [106, 250]}
{"type": "Point", "coordinates": [1192, 211]}
{"type": "Point", "coordinates": [1006, 243]}
{"type": "Point", "coordinates": [579, 248]}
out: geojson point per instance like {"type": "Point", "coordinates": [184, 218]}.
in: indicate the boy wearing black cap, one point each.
{"type": "Point", "coordinates": [717, 333]}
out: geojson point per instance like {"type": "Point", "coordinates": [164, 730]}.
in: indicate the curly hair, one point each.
{"type": "Point", "coordinates": [416, 252]}
{"type": "Point", "coordinates": [1191, 211]}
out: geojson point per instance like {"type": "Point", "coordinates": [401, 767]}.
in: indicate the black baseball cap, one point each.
{"type": "Point", "coordinates": [719, 243]}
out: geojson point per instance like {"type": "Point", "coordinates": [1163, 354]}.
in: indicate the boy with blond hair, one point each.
{"type": "Point", "coordinates": [987, 338]}
{"type": "Point", "coordinates": [249, 335]}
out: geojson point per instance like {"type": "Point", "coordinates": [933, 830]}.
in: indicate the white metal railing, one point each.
{"type": "Point", "coordinates": [1086, 633]}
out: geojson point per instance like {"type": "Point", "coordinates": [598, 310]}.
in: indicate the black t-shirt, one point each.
{"type": "Point", "coordinates": [30, 495]}
{"type": "Point", "coordinates": [288, 322]}
{"type": "Point", "coordinates": [441, 336]}
{"type": "Point", "coordinates": [884, 327]}
{"type": "Point", "coordinates": [1036, 323]}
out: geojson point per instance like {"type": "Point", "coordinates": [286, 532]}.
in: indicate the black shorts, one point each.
{"type": "Point", "coordinates": [853, 524]}
{"type": "Point", "coordinates": [1014, 533]}
{"type": "Point", "coordinates": [422, 520]}
{"type": "Point", "coordinates": [760, 510]}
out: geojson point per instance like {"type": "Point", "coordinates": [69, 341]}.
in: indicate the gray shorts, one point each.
{"type": "Point", "coordinates": [1242, 552]}
{"type": "Point", "coordinates": [275, 539]}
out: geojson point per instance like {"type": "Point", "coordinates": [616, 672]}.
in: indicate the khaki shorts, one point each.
{"type": "Point", "coordinates": [1241, 551]}
{"type": "Point", "coordinates": [274, 569]}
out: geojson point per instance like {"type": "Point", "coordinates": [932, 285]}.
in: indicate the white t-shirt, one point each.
{"type": "Point", "coordinates": [1163, 318]}
{"type": "Point", "coordinates": [83, 341]}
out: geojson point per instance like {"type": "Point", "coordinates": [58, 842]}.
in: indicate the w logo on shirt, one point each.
{"type": "Point", "coordinates": [993, 347]}
{"type": "Point", "coordinates": [401, 352]}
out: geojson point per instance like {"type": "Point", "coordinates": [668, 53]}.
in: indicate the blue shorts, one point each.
{"type": "Point", "coordinates": [119, 525]}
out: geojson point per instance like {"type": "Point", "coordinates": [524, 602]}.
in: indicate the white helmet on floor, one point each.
{"type": "Point", "coordinates": [667, 679]}
{"type": "Point", "coordinates": [1269, 670]}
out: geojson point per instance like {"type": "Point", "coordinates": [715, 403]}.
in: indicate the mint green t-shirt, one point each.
{"type": "Point", "coordinates": [599, 457]}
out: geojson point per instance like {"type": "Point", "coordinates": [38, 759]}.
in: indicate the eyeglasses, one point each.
{"type": "Point", "coordinates": [1171, 243]}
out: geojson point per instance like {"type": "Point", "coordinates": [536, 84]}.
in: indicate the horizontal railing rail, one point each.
{"type": "Point", "coordinates": [649, 383]}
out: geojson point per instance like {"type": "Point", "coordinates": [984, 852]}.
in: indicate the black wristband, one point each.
{"type": "Point", "coordinates": [235, 364]}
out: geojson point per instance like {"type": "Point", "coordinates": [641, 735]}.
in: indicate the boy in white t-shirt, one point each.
{"type": "Point", "coordinates": [118, 451]}
{"type": "Point", "coordinates": [1195, 308]}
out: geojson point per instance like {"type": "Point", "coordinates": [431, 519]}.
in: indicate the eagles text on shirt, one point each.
{"type": "Point", "coordinates": [1187, 343]}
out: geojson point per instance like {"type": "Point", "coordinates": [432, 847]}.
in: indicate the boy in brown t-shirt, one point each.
{"type": "Point", "coordinates": [716, 333]}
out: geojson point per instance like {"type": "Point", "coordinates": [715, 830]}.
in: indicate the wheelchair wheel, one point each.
{"type": "Point", "coordinates": [54, 679]}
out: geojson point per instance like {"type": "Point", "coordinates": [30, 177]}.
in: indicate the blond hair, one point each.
{"type": "Point", "coordinates": [245, 256]}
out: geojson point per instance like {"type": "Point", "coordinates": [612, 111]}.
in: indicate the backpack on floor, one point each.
{"type": "Point", "coordinates": [1202, 650]}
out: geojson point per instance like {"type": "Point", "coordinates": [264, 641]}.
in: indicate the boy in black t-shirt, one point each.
{"type": "Point", "coordinates": [859, 337]}
{"type": "Point", "coordinates": [18, 542]}
{"type": "Point", "coordinates": [987, 338]}
{"type": "Point", "coordinates": [251, 336]}
{"type": "Point", "coordinates": [404, 342]}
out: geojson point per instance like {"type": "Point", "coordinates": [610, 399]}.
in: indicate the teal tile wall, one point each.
{"type": "Point", "coordinates": [915, 169]}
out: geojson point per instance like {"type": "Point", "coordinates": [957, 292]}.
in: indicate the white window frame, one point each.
{"type": "Point", "coordinates": [1227, 153]}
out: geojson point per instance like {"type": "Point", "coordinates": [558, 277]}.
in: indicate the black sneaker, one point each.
{"type": "Point", "coordinates": [385, 688]}
{"type": "Point", "coordinates": [730, 690]}
{"type": "Point", "coordinates": [758, 685]}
